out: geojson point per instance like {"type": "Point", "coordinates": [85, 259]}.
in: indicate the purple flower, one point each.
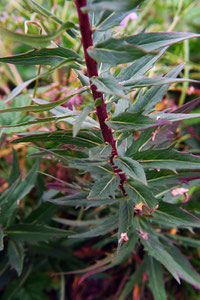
{"type": "Point", "coordinates": [132, 16]}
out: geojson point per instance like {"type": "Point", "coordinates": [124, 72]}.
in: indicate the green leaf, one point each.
{"type": "Point", "coordinates": [173, 117]}
{"type": "Point", "coordinates": [127, 49]}
{"type": "Point", "coordinates": [1, 239]}
{"type": "Point", "coordinates": [36, 7]}
{"type": "Point", "coordinates": [83, 139]}
{"type": "Point", "coordinates": [109, 20]}
{"type": "Point", "coordinates": [15, 171]}
{"type": "Point", "coordinates": [139, 67]}
{"type": "Point", "coordinates": [39, 107]}
{"type": "Point", "coordinates": [46, 56]}
{"type": "Point", "coordinates": [16, 91]}
{"type": "Point", "coordinates": [184, 268]}
{"type": "Point", "coordinates": [131, 168]}
{"type": "Point", "coordinates": [173, 214]}
{"type": "Point", "coordinates": [16, 256]}
{"type": "Point", "coordinates": [123, 217]}
{"type": "Point", "coordinates": [34, 40]}
{"type": "Point", "coordinates": [42, 214]}
{"type": "Point", "coordinates": [176, 263]}
{"type": "Point", "coordinates": [34, 233]}
{"type": "Point", "coordinates": [40, 120]}
{"type": "Point", "coordinates": [143, 81]}
{"type": "Point", "coordinates": [151, 41]}
{"type": "Point", "coordinates": [169, 178]}
{"type": "Point", "coordinates": [107, 225]}
{"type": "Point", "coordinates": [80, 199]}
{"type": "Point", "coordinates": [18, 193]}
{"type": "Point", "coordinates": [182, 240]}
{"type": "Point", "coordinates": [155, 94]}
{"type": "Point", "coordinates": [115, 54]}
{"type": "Point", "coordinates": [77, 223]}
{"type": "Point", "coordinates": [109, 85]}
{"type": "Point", "coordinates": [131, 121]}
{"type": "Point", "coordinates": [115, 5]}
{"type": "Point", "coordinates": [140, 143]}
{"type": "Point", "coordinates": [104, 187]}
{"type": "Point", "coordinates": [158, 251]}
{"type": "Point", "coordinates": [167, 159]}
{"type": "Point", "coordinates": [155, 275]}
{"type": "Point", "coordinates": [139, 192]}
{"type": "Point", "coordinates": [77, 125]}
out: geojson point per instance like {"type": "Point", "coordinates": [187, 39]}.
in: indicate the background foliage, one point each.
{"type": "Point", "coordinates": [62, 213]}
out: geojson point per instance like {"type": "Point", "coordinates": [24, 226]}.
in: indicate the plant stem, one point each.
{"type": "Point", "coordinates": [91, 64]}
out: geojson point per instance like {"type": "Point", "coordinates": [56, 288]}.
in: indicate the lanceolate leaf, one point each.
{"type": "Point", "coordinates": [167, 159]}
{"type": "Point", "coordinates": [155, 94]}
{"type": "Point", "coordinates": [80, 199]}
{"type": "Point", "coordinates": [41, 106]}
{"type": "Point", "coordinates": [109, 86]}
{"type": "Point", "coordinates": [18, 193]}
{"type": "Point", "coordinates": [46, 56]}
{"type": "Point", "coordinates": [173, 214]}
{"type": "Point", "coordinates": [176, 263]}
{"type": "Point", "coordinates": [184, 268]}
{"type": "Point", "coordinates": [106, 226]}
{"type": "Point", "coordinates": [157, 250]}
{"type": "Point", "coordinates": [127, 49]}
{"type": "Point", "coordinates": [123, 217]}
{"type": "Point", "coordinates": [112, 5]}
{"type": "Point", "coordinates": [139, 67]}
{"type": "Point", "coordinates": [155, 275]}
{"type": "Point", "coordinates": [116, 54]}
{"type": "Point", "coordinates": [169, 178]}
{"type": "Point", "coordinates": [140, 193]}
{"type": "Point", "coordinates": [34, 233]}
{"type": "Point", "coordinates": [1, 240]}
{"type": "Point", "coordinates": [16, 256]}
{"type": "Point", "coordinates": [83, 139]}
{"type": "Point", "coordinates": [81, 119]}
{"type": "Point", "coordinates": [143, 81]}
{"type": "Point", "coordinates": [33, 40]}
{"type": "Point", "coordinates": [43, 11]}
{"type": "Point", "coordinates": [16, 91]}
{"type": "Point", "coordinates": [131, 168]}
{"type": "Point", "coordinates": [131, 121]}
{"type": "Point", "coordinates": [104, 187]}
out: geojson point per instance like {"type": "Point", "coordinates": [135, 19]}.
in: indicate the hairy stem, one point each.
{"type": "Point", "coordinates": [91, 64]}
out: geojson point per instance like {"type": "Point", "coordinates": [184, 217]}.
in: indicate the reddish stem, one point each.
{"type": "Point", "coordinates": [91, 64]}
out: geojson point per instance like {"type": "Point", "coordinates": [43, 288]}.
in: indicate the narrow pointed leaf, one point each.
{"type": "Point", "coordinates": [155, 275]}
{"type": "Point", "coordinates": [81, 119]}
{"type": "Point", "coordinates": [118, 5]}
{"type": "Point", "coordinates": [167, 159]}
{"type": "Point", "coordinates": [155, 94]}
{"type": "Point", "coordinates": [46, 56]}
{"type": "Point", "coordinates": [139, 192]}
{"type": "Point", "coordinates": [131, 168]}
{"type": "Point", "coordinates": [16, 256]}
{"type": "Point", "coordinates": [36, 7]}
{"type": "Point", "coordinates": [104, 187]}
{"type": "Point", "coordinates": [1, 239]}
{"type": "Point", "coordinates": [127, 49]}
{"type": "Point", "coordinates": [173, 214]}
{"type": "Point", "coordinates": [131, 121]}
{"type": "Point", "coordinates": [106, 226]}
{"type": "Point", "coordinates": [83, 139]}
{"type": "Point", "coordinates": [34, 233]}
{"type": "Point", "coordinates": [34, 40]}
{"type": "Point", "coordinates": [109, 86]}
{"type": "Point", "coordinates": [40, 107]}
